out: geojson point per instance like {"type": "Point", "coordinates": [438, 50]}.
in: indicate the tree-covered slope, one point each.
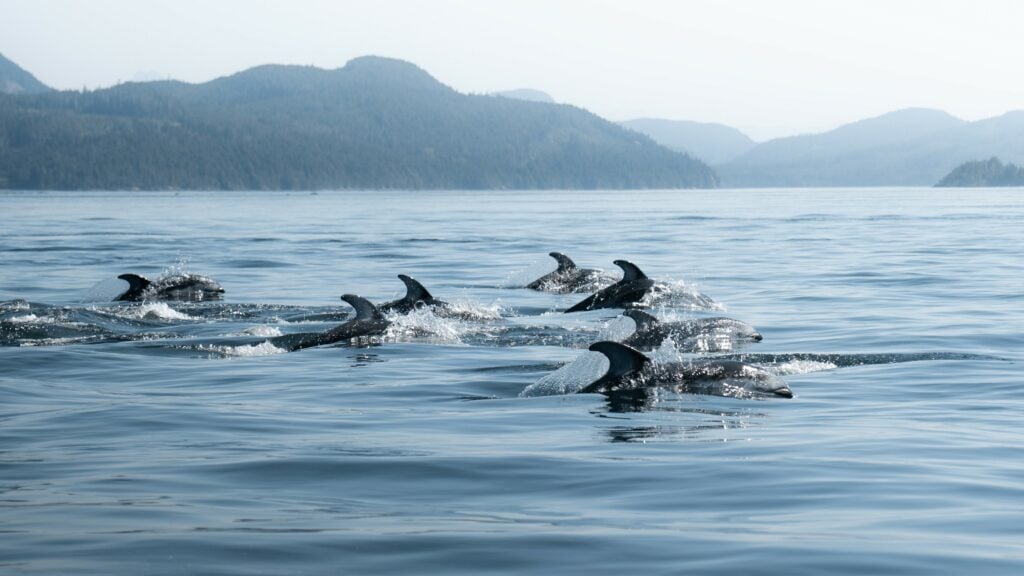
{"type": "Point", "coordinates": [914, 147]}
{"type": "Point", "coordinates": [991, 172]}
{"type": "Point", "coordinates": [375, 123]}
{"type": "Point", "coordinates": [709, 142]}
{"type": "Point", "coordinates": [15, 80]}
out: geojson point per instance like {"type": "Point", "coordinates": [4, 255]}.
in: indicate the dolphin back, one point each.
{"type": "Point", "coordinates": [630, 271]}
{"type": "Point", "coordinates": [565, 264]}
{"type": "Point", "coordinates": [414, 291]}
{"type": "Point", "coordinates": [623, 362]}
{"type": "Point", "coordinates": [136, 285]}
{"type": "Point", "coordinates": [365, 310]}
{"type": "Point", "coordinates": [644, 321]}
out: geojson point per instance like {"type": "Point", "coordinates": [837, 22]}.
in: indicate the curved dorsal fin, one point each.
{"type": "Point", "coordinates": [135, 282]}
{"type": "Point", "coordinates": [414, 291]}
{"type": "Point", "coordinates": [623, 359]}
{"type": "Point", "coordinates": [565, 264]}
{"type": "Point", "coordinates": [644, 321]}
{"type": "Point", "coordinates": [630, 272]}
{"type": "Point", "coordinates": [365, 310]}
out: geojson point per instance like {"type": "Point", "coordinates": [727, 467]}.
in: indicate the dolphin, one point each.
{"type": "Point", "coordinates": [368, 322]}
{"type": "Point", "coordinates": [568, 277]}
{"type": "Point", "coordinates": [632, 288]}
{"type": "Point", "coordinates": [699, 334]}
{"type": "Point", "coordinates": [630, 372]}
{"type": "Point", "coordinates": [416, 296]}
{"type": "Point", "coordinates": [186, 287]}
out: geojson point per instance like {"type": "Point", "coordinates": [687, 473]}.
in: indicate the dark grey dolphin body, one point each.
{"type": "Point", "coordinates": [416, 296]}
{"type": "Point", "coordinates": [631, 289]}
{"type": "Point", "coordinates": [631, 372]}
{"type": "Point", "coordinates": [568, 277]}
{"type": "Point", "coordinates": [368, 322]}
{"type": "Point", "coordinates": [185, 287]}
{"type": "Point", "coordinates": [697, 335]}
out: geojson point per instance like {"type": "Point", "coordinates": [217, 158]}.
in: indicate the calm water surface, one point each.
{"type": "Point", "coordinates": [162, 438]}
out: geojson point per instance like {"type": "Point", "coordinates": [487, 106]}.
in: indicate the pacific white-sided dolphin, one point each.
{"type": "Point", "coordinates": [185, 287]}
{"type": "Point", "coordinates": [630, 371]}
{"type": "Point", "coordinates": [632, 288]}
{"type": "Point", "coordinates": [696, 335]}
{"type": "Point", "coordinates": [568, 277]}
{"type": "Point", "coordinates": [416, 296]}
{"type": "Point", "coordinates": [368, 322]}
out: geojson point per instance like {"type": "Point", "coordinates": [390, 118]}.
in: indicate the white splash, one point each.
{"type": "Point", "coordinates": [801, 367]}
{"type": "Point", "coordinates": [28, 319]}
{"type": "Point", "coordinates": [680, 294]}
{"type": "Point", "coordinates": [423, 323]}
{"type": "Point", "coordinates": [571, 378]}
{"type": "Point", "coordinates": [263, 331]}
{"type": "Point", "coordinates": [261, 349]}
{"type": "Point", "coordinates": [471, 310]}
{"type": "Point", "coordinates": [617, 329]}
{"type": "Point", "coordinates": [156, 311]}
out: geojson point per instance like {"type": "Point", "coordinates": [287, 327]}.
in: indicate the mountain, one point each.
{"type": "Point", "coordinates": [913, 147]}
{"type": "Point", "coordinates": [983, 173]}
{"type": "Point", "coordinates": [15, 80]}
{"type": "Point", "coordinates": [374, 123]}
{"type": "Point", "coordinates": [527, 94]}
{"type": "Point", "coordinates": [712, 143]}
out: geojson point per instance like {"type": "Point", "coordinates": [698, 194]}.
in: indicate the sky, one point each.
{"type": "Point", "coordinates": [769, 68]}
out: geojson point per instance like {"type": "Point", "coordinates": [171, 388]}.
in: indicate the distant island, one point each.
{"type": "Point", "coordinates": [376, 123]}
{"type": "Point", "coordinates": [983, 173]}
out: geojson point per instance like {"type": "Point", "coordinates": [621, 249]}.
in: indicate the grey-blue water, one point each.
{"type": "Point", "coordinates": [166, 438]}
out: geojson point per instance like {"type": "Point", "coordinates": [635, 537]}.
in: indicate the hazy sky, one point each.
{"type": "Point", "coordinates": [767, 67]}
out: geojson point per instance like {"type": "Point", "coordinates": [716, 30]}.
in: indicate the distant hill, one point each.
{"type": "Point", "coordinates": [527, 94]}
{"type": "Point", "coordinates": [982, 173]}
{"type": "Point", "coordinates": [913, 147]}
{"type": "Point", "coordinates": [712, 143]}
{"type": "Point", "coordinates": [375, 123]}
{"type": "Point", "coordinates": [15, 80]}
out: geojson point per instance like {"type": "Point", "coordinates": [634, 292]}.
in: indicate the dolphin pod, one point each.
{"type": "Point", "coordinates": [630, 372]}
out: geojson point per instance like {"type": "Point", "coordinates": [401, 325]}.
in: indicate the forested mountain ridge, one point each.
{"type": "Point", "coordinates": [911, 147]}
{"type": "Point", "coordinates": [708, 142]}
{"type": "Point", "coordinates": [991, 172]}
{"type": "Point", "coordinates": [15, 80]}
{"type": "Point", "coordinates": [374, 123]}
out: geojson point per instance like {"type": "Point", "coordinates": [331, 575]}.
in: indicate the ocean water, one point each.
{"type": "Point", "coordinates": [171, 438]}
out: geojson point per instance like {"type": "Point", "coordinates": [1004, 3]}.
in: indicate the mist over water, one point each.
{"type": "Point", "coordinates": [170, 437]}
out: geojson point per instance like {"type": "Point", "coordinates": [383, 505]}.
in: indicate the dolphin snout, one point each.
{"type": "Point", "coordinates": [756, 337]}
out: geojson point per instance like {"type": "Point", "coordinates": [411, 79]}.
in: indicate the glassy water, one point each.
{"type": "Point", "coordinates": [168, 437]}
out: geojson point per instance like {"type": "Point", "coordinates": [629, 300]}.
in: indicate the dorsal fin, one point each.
{"type": "Point", "coordinates": [630, 272]}
{"type": "Point", "coordinates": [623, 359]}
{"type": "Point", "coordinates": [136, 288]}
{"type": "Point", "coordinates": [414, 291]}
{"type": "Point", "coordinates": [565, 264]}
{"type": "Point", "coordinates": [365, 310]}
{"type": "Point", "coordinates": [644, 321]}
{"type": "Point", "coordinates": [135, 282]}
